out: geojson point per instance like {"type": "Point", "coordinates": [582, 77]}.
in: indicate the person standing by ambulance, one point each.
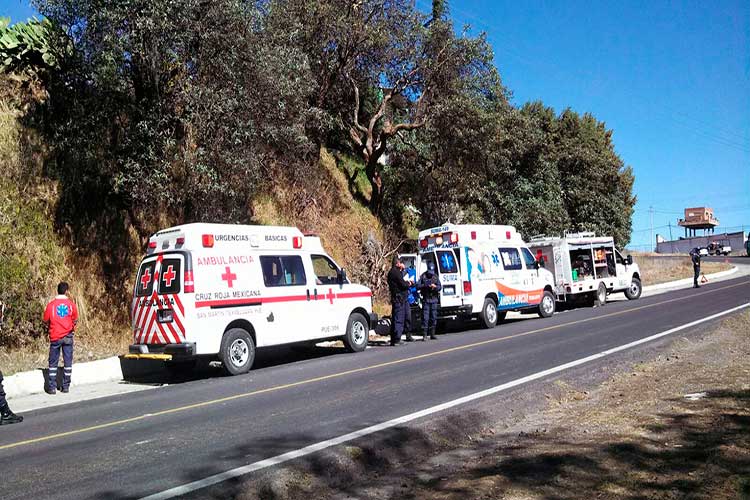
{"type": "Point", "coordinates": [6, 416]}
{"type": "Point", "coordinates": [399, 288]}
{"type": "Point", "coordinates": [429, 285]}
{"type": "Point", "coordinates": [60, 316]}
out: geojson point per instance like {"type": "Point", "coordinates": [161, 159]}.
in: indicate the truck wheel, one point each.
{"type": "Point", "coordinates": [237, 351]}
{"type": "Point", "coordinates": [357, 333]}
{"type": "Point", "coordinates": [547, 305]}
{"type": "Point", "coordinates": [634, 290]}
{"type": "Point", "coordinates": [600, 298]}
{"type": "Point", "coordinates": [488, 316]}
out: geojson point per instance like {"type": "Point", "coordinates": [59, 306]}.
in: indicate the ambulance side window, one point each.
{"type": "Point", "coordinates": [169, 280]}
{"type": "Point", "coordinates": [145, 280]}
{"type": "Point", "coordinates": [284, 270]}
{"type": "Point", "coordinates": [511, 259]}
{"type": "Point", "coordinates": [528, 258]}
{"type": "Point", "coordinates": [326, 271]}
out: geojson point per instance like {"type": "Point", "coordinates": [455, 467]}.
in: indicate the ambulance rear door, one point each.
{"type": "Point", "coordinates": [450, 278]}
{"type": "Point", "coordinates": [158, 311]}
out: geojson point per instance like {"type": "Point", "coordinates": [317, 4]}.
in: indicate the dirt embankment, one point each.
{"type": "Point", "coordinates": [674, 426]}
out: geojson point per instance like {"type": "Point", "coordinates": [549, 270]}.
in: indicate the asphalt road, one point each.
{"type": "Point", "coordinates": [133, 445]}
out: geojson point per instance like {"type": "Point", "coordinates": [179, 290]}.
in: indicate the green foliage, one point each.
{"type": "Point", "coordinates": [33, 47]}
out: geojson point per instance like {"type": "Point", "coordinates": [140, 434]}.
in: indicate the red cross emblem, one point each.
{"type": "Point", "coordinates": [330, 295]}
{"type": "Point", "coordinates": [146, 278]}
{"type": "Point", "coordinates": [539, 255]}
{"type": "Point", "coordinates": [169, 276]}
{"type": "Point", "coordinates": [229, 277]}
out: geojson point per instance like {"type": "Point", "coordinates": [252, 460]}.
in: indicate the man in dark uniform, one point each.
{"type": "Point", "coordinates": [6, 416]}
{"type": "Point", "coordinates": [399, 288]}
{"type": "Point", "coordinates": [429, 285]}
{"type": "Point", "coordinates": [695, 256]}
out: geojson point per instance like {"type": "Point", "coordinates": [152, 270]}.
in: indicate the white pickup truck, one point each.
{"type": "Point", "coordinates": [587, 267]}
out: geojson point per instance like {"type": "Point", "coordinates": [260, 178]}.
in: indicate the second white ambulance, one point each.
{"type": "Point", "coordinates": [485, 271]}
{"type": "Point", "coordinates": [220, 291]}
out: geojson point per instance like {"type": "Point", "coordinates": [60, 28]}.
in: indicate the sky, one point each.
{"type": "Point", "coordinates": [671, 79]}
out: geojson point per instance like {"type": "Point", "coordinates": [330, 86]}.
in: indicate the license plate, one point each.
{"type": "Point", "coordinates": [449, 290]}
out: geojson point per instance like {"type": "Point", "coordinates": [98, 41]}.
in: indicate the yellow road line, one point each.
{"type": "Point", "coordinates": [349, 372]}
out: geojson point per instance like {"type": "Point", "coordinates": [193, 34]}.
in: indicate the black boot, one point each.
{"type": "Point", "coordinates": [8, 417]}
{"type": "Point", "coordinates": [432, 334]}
{"type": "Point", "coordinates": [424, 336]}
{"type": "Point", "coordinates": [409, 338]}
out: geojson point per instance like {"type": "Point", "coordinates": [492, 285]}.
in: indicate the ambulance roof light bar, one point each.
{"type": "Point", "coordinates": [152, 244]}
{"type": "Point", "coordinates": [297, 242]}
{"type": "Point", "coordinates": [208, 240]}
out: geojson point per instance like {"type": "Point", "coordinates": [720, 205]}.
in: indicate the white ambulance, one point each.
{"type": "Point", "coordinates": [220, 291]}
{"type": "Point", "coordinates": [485, 271]}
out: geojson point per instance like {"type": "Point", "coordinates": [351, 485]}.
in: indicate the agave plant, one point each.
{"type": "Point", "coordinates": [32, 47]}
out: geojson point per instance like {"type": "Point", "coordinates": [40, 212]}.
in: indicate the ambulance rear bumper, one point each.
{"type": "Point", "coordinates": [175, 351]}
{"type": "Point", "coordinates": [454, 312]}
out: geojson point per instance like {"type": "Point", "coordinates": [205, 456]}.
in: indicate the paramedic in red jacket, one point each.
{"type": "Point", "coordinates": [61, 316]}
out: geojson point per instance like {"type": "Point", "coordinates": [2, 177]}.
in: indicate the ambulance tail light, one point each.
{"type": "Point", "coordinates": [297, 242]}
{"type": "Point", "coordinates": [181, 240]}
{"type": "Point", "coordinates": [208, 240]}
{"type": "Point", "coordinates": [467, 287]}
{"type": "Point", "coordinates": [152, 244]}
{"type": "Point", "coordinates": [454, 237]}
{"type": "Point", "coordinates": [188, 284]}
{"type": "Point", "coordinates": [423, 243]}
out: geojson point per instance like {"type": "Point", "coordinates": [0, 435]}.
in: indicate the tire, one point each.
{"type": "Point", "coordinates": [547, 305]}
{"type": "Point", "coordinates": [237, 351]}
{"type": "Point", "coordinates": [600, 297]}
{"type": "Point", "coordinates": [633, 292]}
{"type": "Point", "coordinates": [357, 333]}
{"type": "Point", "coordinates": [488, 316]}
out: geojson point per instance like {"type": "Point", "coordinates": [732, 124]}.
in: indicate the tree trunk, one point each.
{"type": "Point", "coordinates": [376, 183]}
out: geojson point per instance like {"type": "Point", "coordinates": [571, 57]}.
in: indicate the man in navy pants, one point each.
{"type": "Point", "coordinates": [429, 286]}
{"type": "Point", "coordinates": [6, 416]}
{"type": "Point", "coordinates": [60, 316]}
{"type": "Point", "coordinates": [399, 289]}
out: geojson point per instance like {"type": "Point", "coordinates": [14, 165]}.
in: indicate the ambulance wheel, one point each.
{"type": "Point", "coordinates": [237, 351]}
{"type": "Point", "coordinates": [357, 333]}
{"type": "Point", "coordinates": [634, 290]}
{"type": "Point", "coordinates": [488, 316]}
{"type": "Point", "coordinates": [547, 305]}
{"type": "Point", "coordinates": [600, 298]}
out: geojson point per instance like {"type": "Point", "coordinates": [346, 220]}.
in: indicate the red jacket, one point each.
{"type": "Point", "coordinates": [61, 314]}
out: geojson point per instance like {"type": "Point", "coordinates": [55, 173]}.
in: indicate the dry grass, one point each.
{"type": "Point", "coordinates": [656, 270]}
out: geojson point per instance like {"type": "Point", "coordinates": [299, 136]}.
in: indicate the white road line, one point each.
{"type": "Point", "coordinates": [313, 448]}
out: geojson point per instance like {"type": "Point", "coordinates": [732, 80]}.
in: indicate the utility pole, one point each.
{"type": "Point", "coordinates": [651, 216]}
